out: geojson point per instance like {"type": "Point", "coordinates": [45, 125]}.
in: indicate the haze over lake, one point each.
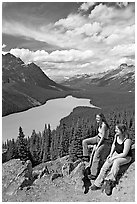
{"type": "Point", "coordinates": [36, 118]}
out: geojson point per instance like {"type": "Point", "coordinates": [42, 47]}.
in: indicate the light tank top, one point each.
{"type": "Point", "coordinates": [100, 132]}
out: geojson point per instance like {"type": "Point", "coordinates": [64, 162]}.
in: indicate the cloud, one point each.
{"type": "Point", "coordinates": [57, 56]}
{"type": "Point", "coordinates": [3, 52]}
{"type": "Point", "coordinates": [123, 50]}
{"type": "Point", "coordinates": [126, 60]}
{"type": "Point", "coordinates": [96, 38]}
{"type": "Point", "coordinates": [78, 31]}
{"type": "Point", "coordinates": [122, 4]}
{"type": "Point", "coordinates": [49, 34]}
{"type": "Point", "coordinates": [108, 14]}
{"type": "Point", "coordinates": [18, 29]}
{"type": "Point", "coordinates": [57, 63]}
{"type": "Point", "coordinates": [71, 22]}
{"type": "Point", "coordinates": [88, 29]}
{"type": "Point", "coordinates": [86, 6]}
{"type": "Point", "coordinates": [3, 46]}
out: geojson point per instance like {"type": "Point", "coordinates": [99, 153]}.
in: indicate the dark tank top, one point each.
{"type": "Point", "coordinates": [120, 147]}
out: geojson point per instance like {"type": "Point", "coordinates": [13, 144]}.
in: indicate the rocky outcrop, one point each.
{"type": "Point", "coordinates": [51, 180]}
{"type": "Point", "coordinates": [16, 175]}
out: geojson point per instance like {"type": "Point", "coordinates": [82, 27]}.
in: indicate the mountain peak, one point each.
{"type": "Point", "coordinates": [9, 56]}
{"type": "Point", "coordinates": [121, 78]}
{"type": "Point", "coordinates": [123, 65]}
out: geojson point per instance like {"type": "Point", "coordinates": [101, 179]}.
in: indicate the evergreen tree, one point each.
{"type": "Point", "coordinates": [9, 154]}
{"type": "Point", "coordinates": [49, 141]}
{"type": "Point", "coordinates": [54, 147]}
{"type": "Point", "coordinates": [22, 151]}
{"type": "Point", "coordinates": [35, 148]}
{"type": "Point", "coordinates": [46, 144]}
{"type": "Point", "coordinates": [64, 141]}
{"type": "Point", "coordinates": [75, 150]}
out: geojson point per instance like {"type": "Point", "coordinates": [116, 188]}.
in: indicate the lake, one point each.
{"type": "Point", "coordinates": [36, 118]}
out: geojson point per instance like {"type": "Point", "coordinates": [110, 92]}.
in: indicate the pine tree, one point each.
{"type": "Point", "coordinates": [49, 141]}
{"type": "Point", "coordinates": [64, 141]}
{"type": "Point", "coordinates": [35, 148]}
{"type": "Point", "coordinates": [22, 151]}
{"type": "Point", "coordinates": [54, 147]}
{"type": "Point", "coordinates": [75, 150]}
{"type": "Point", "coordinates": [46, 144]}
{"type": "Point", "coordinates": [9, 154]}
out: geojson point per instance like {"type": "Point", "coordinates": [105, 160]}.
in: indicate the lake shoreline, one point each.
{"type": "Point", "coordinates": [35, 118]}
{"type": "Point", "coordinates": [78, 97]}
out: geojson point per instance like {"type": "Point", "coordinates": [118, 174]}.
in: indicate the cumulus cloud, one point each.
{"type": "Point", "coordinates": [105, 14]}
{"type": "Point", "coordinates": [122, 4]}
{"type": "Point", "coordinates": [3, 46]}
{"type": "Point", "coordinates": [126, 60]}
{"type": "Point", "coordinates": [84, 39]}
{"type": "Point", "coordinates": [123, 50]}
{"type": "Point", "coordinates": [57, 56]}
{"type": "Point", "coordinates": [86, 6]}
{"type": "Point", "coordinates": [3, 52]}
{"type": "Point", "coordinates": [88, 29]}
{"type": "Point", "coordinates": [71, 22]}
{"type": "Point", "coordinates": [102, 13]}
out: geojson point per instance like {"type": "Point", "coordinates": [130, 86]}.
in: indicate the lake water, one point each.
{"type": "Point", "coordinates": [36, 118]}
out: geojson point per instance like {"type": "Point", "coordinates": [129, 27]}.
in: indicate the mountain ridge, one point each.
{"type": "Point", "coordinates": [122, 78]}
{"type": "Point", "coordinates": [26, 86]}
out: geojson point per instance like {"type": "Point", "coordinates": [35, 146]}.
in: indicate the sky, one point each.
{"type": "Point", "coordinates": [69, 38]}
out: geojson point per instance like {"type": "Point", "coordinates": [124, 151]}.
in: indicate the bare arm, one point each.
{"type": "Point", "coordinates": [113, 146]}
{"type": "Point", "coordinates": [127, 145]}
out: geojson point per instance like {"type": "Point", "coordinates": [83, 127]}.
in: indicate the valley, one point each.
{"type": "Point", "coordinates": [52, 119]}
{"type": "Point", "coordinates": [26, 86]}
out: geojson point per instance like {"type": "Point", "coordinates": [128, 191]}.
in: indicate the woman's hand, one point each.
{"type": "Point", "coordinates": [110, 159]}
{"type": "Point", "coordinates": [109, 156]}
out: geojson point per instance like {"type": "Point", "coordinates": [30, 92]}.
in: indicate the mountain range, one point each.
{"type": "Point", "coordinates": [122, 78]}
{"type": "Point", "coordinates": [25, 86]}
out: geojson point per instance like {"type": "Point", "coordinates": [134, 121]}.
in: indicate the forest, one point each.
{"type": "Point", "coordinates": [67, 138]}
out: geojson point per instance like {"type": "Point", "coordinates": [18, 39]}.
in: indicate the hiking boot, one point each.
{"type": "Point", "coordinates": [92, 177]}
{"type": "Point", "coordinates": [87, 171]}
{"type": "Point", "coordinates": [109, 187]}
{"type": "Point", "coordinates": [94, 188]}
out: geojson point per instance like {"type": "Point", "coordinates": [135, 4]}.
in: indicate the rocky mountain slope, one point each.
{"type": "Point", "coordinates": [60, 181]}
{"type": "Point", "coordinates": [25, 86]}
{"type": "Point", "coordinates": [122, 78]}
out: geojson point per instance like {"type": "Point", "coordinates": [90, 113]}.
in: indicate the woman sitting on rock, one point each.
{"type": "Point", "coordinates": [120, 154]}
{"type": "Point", "coordinates": [102, 148]}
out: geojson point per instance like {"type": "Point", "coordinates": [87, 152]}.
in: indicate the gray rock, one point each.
{"type": "Point", "coordinates": [16, 175]}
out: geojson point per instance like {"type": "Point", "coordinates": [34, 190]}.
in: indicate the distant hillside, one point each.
{"type": "Point", "coordinates": [122, 78]}
{"type": "Point", "coordinates": [25, 86]}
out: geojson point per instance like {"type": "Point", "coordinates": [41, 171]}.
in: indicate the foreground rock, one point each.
{"type": "Point", "coordinates": [16, 175]}
{"type": "Point", "coordinates": [60, 181]}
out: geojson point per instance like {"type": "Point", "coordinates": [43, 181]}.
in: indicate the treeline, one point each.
{"type": "Point", "coordinates": [66, 138]}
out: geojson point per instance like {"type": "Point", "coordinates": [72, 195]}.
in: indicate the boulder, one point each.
{"type": "Point", "coordinates": [55, 176]}
{"type": "Point", "coordinates": [76, 177]}
{"type": "Point", "coordinates": [67, 168]}
{"type": "Point", "coordinates": [16, 175]}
